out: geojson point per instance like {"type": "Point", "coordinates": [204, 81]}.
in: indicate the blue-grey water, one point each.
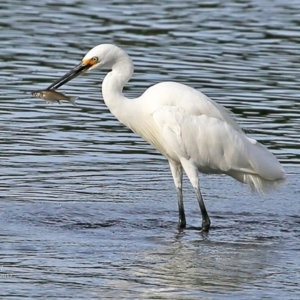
{"type": "Point", "coordinates": [88, 210]}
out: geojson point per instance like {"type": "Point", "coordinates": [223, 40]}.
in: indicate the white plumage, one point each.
{"type": "Point", "coordinates": [193, 132]}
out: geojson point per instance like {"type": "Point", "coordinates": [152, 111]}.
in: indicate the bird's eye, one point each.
{"type": "Point", "coordinates": [95, 59]}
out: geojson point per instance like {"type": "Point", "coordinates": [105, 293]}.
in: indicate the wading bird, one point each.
{"type": "Point", "coordinates": [192, 131]}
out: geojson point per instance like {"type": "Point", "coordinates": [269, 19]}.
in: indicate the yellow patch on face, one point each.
{"type": "Point", "coordinates": [90, 61]}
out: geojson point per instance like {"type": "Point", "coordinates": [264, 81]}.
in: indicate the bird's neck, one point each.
{"type": "Point", "coordinates": [112, 87]}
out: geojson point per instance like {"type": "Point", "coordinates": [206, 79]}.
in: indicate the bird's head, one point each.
{"type": "Point", "coordinates": [101, 56]}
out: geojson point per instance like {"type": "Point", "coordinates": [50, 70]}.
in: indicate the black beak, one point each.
{"type": "Point", "coordinates": [78, 70]}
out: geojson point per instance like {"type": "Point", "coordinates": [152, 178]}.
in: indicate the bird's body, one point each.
{"type": "Point", "coordinates": [193, 132]}
{"type": "Point", "coordinates": [192, 126]}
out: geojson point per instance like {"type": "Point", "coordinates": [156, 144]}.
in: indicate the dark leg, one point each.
{"type": "Point", "coordinates": [176, 170]}
{"type": "Point", "coordinates": [181, 222]}
{"type": "Point", "coordinates": [205, 217]}
{"type": "Point", "coordinates": [192, 173]}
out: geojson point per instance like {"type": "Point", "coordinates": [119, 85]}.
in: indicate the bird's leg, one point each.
{"type": "Point", "coordinates": [192, 173]}
{"type": "Point", "coordinates": [176, 170]}
{"type": "Point", "coordinates": [181, 222]}
{"type": "Point", "coordinates": [205, 217]}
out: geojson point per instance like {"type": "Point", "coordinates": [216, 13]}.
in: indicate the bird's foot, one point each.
{"type": "Point", "coordinates": [181, 223]}
{"type": "Point", "coordinates": [205, 225]}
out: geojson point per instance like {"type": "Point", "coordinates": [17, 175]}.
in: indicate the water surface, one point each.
{"type": "Point", "coordinates": [88, 210]}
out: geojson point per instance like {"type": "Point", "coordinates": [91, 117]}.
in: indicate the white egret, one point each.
{"type": "Point", "coordinates": [193, 132]}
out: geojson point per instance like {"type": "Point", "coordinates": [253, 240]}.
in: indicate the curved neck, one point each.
{"type": "Point", "coordinates": [112, 86]}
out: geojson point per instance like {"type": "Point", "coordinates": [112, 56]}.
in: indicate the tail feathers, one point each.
{"type": "Point", "coordinates": [258, 183]}
{"type": "Point", "coordinates": [264, 172]}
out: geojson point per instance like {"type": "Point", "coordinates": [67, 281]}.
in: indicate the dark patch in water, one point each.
{"type": "Point", "coordinates": [87, 225]}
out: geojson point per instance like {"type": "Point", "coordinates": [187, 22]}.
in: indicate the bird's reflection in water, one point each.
{"type": "Point", "coordinates": [202, 266]}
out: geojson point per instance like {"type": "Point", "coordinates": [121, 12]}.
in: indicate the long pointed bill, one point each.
{"type": "Point", "coordinates": [78, 70]}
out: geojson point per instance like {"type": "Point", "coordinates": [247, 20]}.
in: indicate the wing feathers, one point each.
{"type": "Point", "coordinates": [213, 145]}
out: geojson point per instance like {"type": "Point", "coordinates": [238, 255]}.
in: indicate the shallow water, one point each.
{"type": "Point", "coordinates": [88, 210]}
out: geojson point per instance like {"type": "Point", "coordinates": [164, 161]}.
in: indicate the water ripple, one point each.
{"type": "Point", "coordinates": [88, 209]}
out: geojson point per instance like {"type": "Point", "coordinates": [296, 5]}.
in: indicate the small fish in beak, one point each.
{"type": "Point", "coordinates": [50, 95]}
{"type": "Point", "coordinates": [53, 96]}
